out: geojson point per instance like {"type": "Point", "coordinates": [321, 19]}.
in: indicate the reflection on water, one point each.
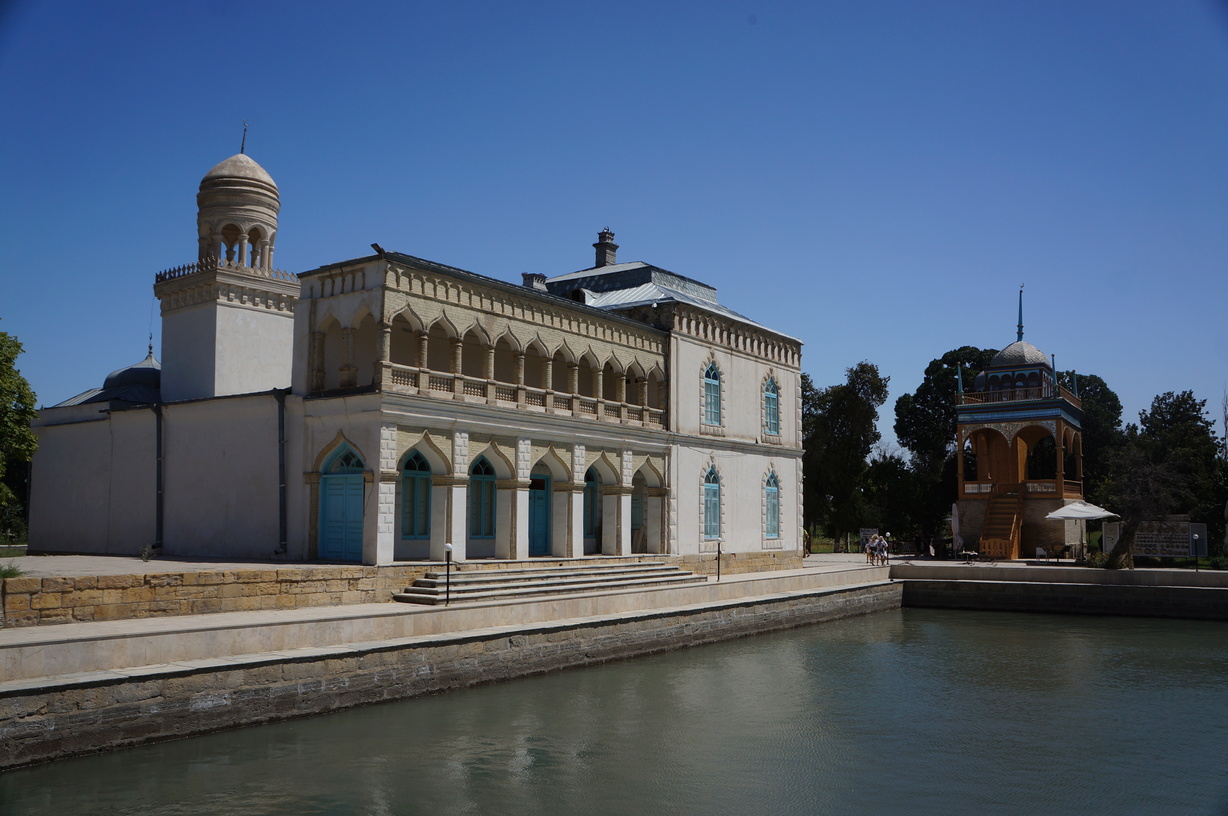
{"type": "Point", "coordinates": [911, 711]}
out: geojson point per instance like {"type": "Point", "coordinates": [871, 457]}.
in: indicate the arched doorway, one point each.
{"type": "Point", "coordinates": [416, 507]}
{"type": "Point", "coordinates": [592, 512]}
{"type": "Point", "coordinates": [482, 509]}
{"type": "Point", "coordinates": [639, 498]}
{"type": "Point", "coordinates": [341, 495]}
{"type": "Point", "coordinates": [539, 511]}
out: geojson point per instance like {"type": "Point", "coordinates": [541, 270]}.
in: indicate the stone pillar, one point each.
{"type": "Point", "coordinates": [573, 385]}
{"type": "Point", "coordinates": [317, 361]}
{"type": "Point", "coordinates": [424, 377]}
{"type": "Point", "coordinates": [449, 517]}
{"type": "Point", "coordinates": [654, 514]}
{"type": "Point", "coordinates": [575, 521]}
{"type": "Point", "coordinates": [385, 353]}
{"type": "Point", "coordinates": [349, 372]}
{"type": "Point", "coordinates": [458, 350]}
{"type": "Point", "coordinates": [241, 254]}
{"type": "Point", "coordinates": [379, 526]}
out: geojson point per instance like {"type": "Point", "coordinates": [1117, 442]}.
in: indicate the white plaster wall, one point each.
{"type": "Point", "coordinates": [743, 474]}
{"type": "Point", "coordinates": [189, 337]}
{"type": "Point", "coordinates": [742, 379]}
{"type": "Point", "coordinates": [255, 350]}
{"type": "Point", "coordinates": [94, 483]}
{"type": "Point", "coordinates": [220, 478]}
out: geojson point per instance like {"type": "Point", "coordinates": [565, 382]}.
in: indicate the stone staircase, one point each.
{"type": "Point", "coordinates": [511, 583]}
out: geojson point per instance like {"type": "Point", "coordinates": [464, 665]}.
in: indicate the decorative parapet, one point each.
{"type": "Point", "coordinates": [1044, 392]}
{"type": "Point", "coordinates": [215, 265]}
{"type": "Point", "coordinates": [214, 281]}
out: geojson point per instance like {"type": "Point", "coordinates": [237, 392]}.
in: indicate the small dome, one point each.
{"type": "Point", "coordinates": [1019, 353]}
{"type": "Point", "coordinates": [147, 373]}
{"type": "Point", "coordinates": [239, 166]}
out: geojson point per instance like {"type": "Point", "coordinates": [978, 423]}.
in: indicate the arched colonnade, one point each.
{"type": "Point", "coordinates": [441, 360]}
{"type": "Point", "coordinates": [486, 510]}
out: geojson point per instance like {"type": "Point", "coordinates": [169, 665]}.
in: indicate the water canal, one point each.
{"type": "Point", "coordinates": [910, 711]}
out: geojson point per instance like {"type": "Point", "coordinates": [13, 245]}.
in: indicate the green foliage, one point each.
{"type": "Point", "coordinates": [891, 493]}
{"type": "Point", "coordinates": [17, 441]}
{"type": "Point", "coordinates": [925, 425]}
{"type": "Point", "coordinates": [1168, 464]}
{"type": "Point", "coordinates": [11, 570]}
{"type": "Point", "coordinates": [839, 428]}
{"type": "Point", "coordinates": [925, 419]}
{"type": "Point", "coordinates": [1102, 430]}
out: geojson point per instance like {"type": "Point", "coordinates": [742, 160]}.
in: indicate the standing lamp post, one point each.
{"type": "Point", "coordinates": [718, 559]}
{"type": "Point", "coordinates": [889, 550]}
{"type": "Point", "coordinates": [1195, 552]}
{"type": "Point", "coordinates": [447, 581]}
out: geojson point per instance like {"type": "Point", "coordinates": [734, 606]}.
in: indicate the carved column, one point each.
{"type": "Point", "coordinates": [520, 378]}
{"type": "Point", "coordinates": [458, 350]}
{"type": "Point", "coordinates": [424, 378]}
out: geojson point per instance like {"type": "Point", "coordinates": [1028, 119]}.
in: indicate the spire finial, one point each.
{"type": "Point", "coordinates": [1019, 336]}
{"type": "Point", "coordinates": [243, 144]}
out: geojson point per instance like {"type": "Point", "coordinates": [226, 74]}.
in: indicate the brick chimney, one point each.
{"type": "Point", "coordinates": [534, 280]}
{"type": "Point", "coordinates": [606, 248]}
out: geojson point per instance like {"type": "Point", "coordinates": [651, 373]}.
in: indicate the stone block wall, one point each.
{"type": "Point", "coordinates": [89, 712]}
{"type": "Point", "coordinates": [734, 563]}
{"type": "Point", "coordinates": [39, 601]}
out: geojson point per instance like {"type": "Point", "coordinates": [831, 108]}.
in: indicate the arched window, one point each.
{"type": "Point", "coordinates": [712, 395]}
{"type": "Point", "coordinates": [771, 407]}
{"type": "Point", "coordinates": [345, 462]}
{"type": "Point", "coordinates": [771, 500]}
{"type": "Point", "coordinates": [712, 504]}
{"type": "Point", "coordinates": [592, 503]}
{"type": "Point", "coordinates": [482, 499]}
{"type": "Point", "coordinates": [416, 498]}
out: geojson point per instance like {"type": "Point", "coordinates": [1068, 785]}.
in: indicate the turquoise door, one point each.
{"type": "Point", "coordinates": [341, 517]}
{"type": "Point", "coordinates": [539, 515]}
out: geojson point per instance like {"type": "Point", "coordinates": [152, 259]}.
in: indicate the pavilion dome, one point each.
{"type": "Point", "coordinates": [1019, 353]}
{"type": "Point", "coordinates": [239, 167]}
{"type": "Point", "coordinates": [145, 374]}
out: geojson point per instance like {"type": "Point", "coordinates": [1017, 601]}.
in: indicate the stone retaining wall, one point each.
{"type": "Point", "coordinates": [37, 601]}
{"type": "Point", "coordinates": [61, 717]}
{"type": "Point", "coordinates": [1202, 603]}
{"type": "Point", "coordinates": [736, 563]}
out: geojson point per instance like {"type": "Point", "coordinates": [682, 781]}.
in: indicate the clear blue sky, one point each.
{"type": "Point", "coordinates": [874, 178]}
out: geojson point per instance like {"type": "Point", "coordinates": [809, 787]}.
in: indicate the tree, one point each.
{"type": "Point", "coordinates": [1170, 464]}
{"type": "Point", "coordinates": [839, 430]}
{"type": "Point", "coordinates": [1102, 430]}
{"type": "Point", "coordinates": [891, 496]}
{"type": "Point", "coordinates": [17, 441]}
{"type": "Point", "coordinates": [925, 425]}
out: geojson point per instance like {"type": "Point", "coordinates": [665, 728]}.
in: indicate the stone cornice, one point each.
{"type": "Point", "coordinates": [757, 341]}
{"type": "Point", "coordinates": [239, 286]}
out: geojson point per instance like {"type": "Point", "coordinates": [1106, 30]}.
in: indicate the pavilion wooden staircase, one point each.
{"type": "Point", "coordinates": [1003, 523]}
{"type": "Point", "coordinates": [524, 581]}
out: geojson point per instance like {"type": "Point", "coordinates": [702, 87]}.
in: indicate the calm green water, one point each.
{"type": "Point", "coordinates": [905, 712]}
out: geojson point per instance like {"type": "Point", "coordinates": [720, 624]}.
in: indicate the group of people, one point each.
{"type": "Point", "coordinates": [876, 550]}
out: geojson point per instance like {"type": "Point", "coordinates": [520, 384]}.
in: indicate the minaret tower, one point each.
{"type": "Point", "coordinates": [228, 319]}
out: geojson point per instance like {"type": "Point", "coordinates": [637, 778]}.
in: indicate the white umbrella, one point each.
{"type": "Point", "coordinates": [1080, 510]}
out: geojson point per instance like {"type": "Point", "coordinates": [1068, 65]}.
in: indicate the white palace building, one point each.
{"type": "Point", "coordinates": [379, 409]}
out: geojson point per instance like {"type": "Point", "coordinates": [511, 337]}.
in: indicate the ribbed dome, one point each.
{"type": "Point", "coordinates": [239, 166]}
{"type": "Point", "coordinates": [1019, 353]}
{"type": "Point", "coordinates": [147, 374]}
